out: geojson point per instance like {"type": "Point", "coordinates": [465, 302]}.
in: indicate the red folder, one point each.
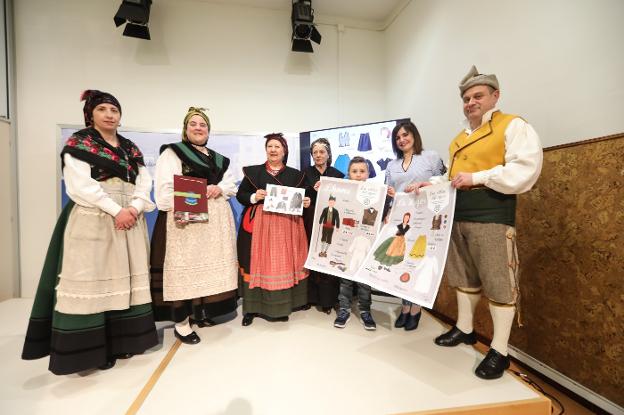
{"type": "Point", "coordinates": [189, 194]}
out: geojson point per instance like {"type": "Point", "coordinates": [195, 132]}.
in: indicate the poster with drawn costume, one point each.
{"type": "Point", "coordinates": [346, 222]}
{"type": "Point", "coordinates": [408, 257]}
{"type": "Point", "coordinates": [284, 199]}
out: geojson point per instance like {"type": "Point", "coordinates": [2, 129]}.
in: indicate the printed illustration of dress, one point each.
{"type": "Point", "coordinates": [343, 139]}
{"type": "Point", "coordinates": [296, 201]}
{"type": "Point", "coordinates": [426, 271]}
{"type": "Point", "coordinates": [365, 143]}
{"type": "Point", "coordinates": [371, 169]}
{"type": "Point", "coordinates": [392, 250]}
{"type": "Point", "coordinates": [419, 247]}
{"type": "Point", "coordinates": [383, 163]}
{"type": "Point", "coordinates": [342, 163]}
{"type": "Point", "coordinates": [358, 250]}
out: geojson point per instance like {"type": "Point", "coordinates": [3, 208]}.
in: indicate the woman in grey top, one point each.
{"type": "Point", "coordinates": [413, 164]}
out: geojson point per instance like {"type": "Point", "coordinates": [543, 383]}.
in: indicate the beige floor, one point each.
{"type": "Point", "coordinates": [304, 366]}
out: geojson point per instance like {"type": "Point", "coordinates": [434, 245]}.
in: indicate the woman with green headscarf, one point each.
{"type": "Point", "coordinates": [193, 264]}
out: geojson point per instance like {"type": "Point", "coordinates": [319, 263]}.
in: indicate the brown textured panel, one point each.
{"type": "Point", "coordinates": [571, 245]}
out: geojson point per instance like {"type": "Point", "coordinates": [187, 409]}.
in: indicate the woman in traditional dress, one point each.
{"type": "Point", "coordinates": [413, 164]}
{"type": "Point", "coordinates": [322, 288]}
{"type": "Point", "coordinates": [193, 264]}
{"type": "Point", "coordinates": [93, 302]}
{"type": "Point", "coordinates": [272, 247]}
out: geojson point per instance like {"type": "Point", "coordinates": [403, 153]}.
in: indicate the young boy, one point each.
{"type": "Point", "coordinates": [358, 170]}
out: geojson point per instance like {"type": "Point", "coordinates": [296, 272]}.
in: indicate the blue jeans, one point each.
{"type": "Point", "coordinates": [346, 295]}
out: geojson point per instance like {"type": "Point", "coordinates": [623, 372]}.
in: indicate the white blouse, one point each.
{"type": "Point", "coordinates": [523, 159]}
{"type": "Point", "coordinates": [169, 164]}
{"type": "Point", "coordinates": [86, 191]}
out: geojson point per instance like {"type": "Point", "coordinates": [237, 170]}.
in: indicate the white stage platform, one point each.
{"type": "Point", "coordinates": [304, 366]}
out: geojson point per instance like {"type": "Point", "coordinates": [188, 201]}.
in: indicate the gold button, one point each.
{"type": "Point", "coordinates": [465, 157]}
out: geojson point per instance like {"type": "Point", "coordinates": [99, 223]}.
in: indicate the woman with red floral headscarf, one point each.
{"type": "Point", "coordinates": [93, 303]}
{"type": "Point", "coordinates": [272, 247]}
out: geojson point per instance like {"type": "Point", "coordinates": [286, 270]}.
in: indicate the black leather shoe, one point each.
{"type": "Point", "coordinates": [412, 321]}
{"type": "Point", "coordinates": [202, 323]}
{"type": "Point", "coordinates": [192, 338]}
{"type": "Point", "coordinates": [401, 319]}
{"type": "Point", "coordinates": [109, 364]}
{"type": "Point", "coordinates": [248, 319]}
{"type": "Point", "coordinates": [454, 337]}
{"type": "Point", "coordinates": [493, 366]}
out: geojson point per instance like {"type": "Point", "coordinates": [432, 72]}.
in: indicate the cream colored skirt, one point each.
{"type": "Point", "coordinates": [103, 268]}
{"type": "Point", "coordinates": [200, 258]}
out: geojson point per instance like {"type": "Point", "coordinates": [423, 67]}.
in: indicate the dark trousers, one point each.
{"type": "Point", "coordinates": [346, 295]}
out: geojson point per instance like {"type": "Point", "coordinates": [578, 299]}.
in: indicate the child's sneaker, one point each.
{"type": "Point", "coordinates": [342, 319]}
{"type": "Point", "coordinates": [367, 320]}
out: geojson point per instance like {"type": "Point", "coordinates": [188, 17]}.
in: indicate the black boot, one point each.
{"type": "Point", "coordinates": [400, 321]}
{"type": "Point", "coordinates": [493, 366]}
{"type": "Point", "coordinates": [412, 321]}
{"type": "Point", "coordinates": [454, 337]}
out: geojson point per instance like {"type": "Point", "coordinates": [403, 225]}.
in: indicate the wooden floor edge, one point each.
{"type": "Point", "coordinates": [149, 385]}
{"type": "Point", "coordinates": [535, 406]}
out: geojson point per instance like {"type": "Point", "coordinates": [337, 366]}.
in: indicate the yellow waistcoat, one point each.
{"type": "Point", "coordinates": [481, 150]}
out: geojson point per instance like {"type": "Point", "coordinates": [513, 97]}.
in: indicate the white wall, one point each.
{"type": "Point", "coordinates": [8, 261]}
{"type": "Point", "coordinates": [234, 60]}
{"type": "Point", "coordinates": [560, 64]}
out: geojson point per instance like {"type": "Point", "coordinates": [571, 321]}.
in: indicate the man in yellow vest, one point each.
{"type": "Point", "coordinates": [495, 157]}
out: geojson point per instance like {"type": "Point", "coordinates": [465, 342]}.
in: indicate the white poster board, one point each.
{"type": "Point", "coordinates": [407, 259]}
{"type": "Point", "coordinates": [347, 217]}
{"type": "Point", "coordinates": [284, 199]}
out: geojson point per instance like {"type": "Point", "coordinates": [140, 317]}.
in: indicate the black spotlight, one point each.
{"type": "Point", "coordinates": [136, 13]}
{"type": "Point", "coordinates": [304, 31]}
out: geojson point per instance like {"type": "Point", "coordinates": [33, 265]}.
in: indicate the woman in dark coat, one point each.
{"type": "Point", "coordinates": [322, 288]}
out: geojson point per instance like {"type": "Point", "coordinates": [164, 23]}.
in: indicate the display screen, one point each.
{"type": "Point", "coordinates": [372, 141]}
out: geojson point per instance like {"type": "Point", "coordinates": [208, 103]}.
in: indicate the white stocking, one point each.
{"type": "Point", "coordinates": [502, 317]}
{"type": "Point", "coordinates": [184, 327]}
{"type": "Point", "coordinates": [466, 305]}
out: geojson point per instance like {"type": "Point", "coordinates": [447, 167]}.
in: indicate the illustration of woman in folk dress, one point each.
{"type": "Point", "coordinates": [392, 250]}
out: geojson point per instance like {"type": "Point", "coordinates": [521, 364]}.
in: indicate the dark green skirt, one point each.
{"type": "Point", "coordinates": [80, 342]}
{"type": "Point", "coordinates": [274, 304]}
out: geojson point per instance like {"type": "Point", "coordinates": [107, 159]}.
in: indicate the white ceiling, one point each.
{"type": "Point", "coordinates": [377, 12]}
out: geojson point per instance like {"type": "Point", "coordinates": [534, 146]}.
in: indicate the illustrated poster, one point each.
{"type": "Point", "coordinates": [408, 257]}
{"type": "Point", "coordinates": [346, 221]}
{"type": "Point", "coordinates": [284, 199]}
